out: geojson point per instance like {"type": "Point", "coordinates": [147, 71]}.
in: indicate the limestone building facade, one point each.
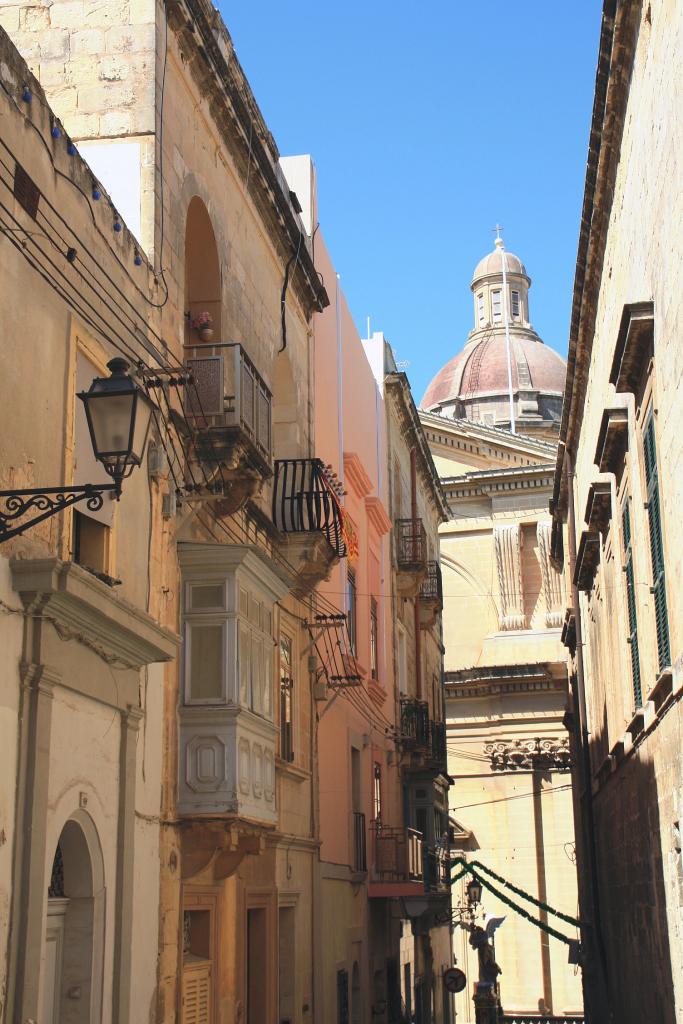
{"type": "Point", "coordinates": [171, 715]}
{"type": "Point", "coordinates": [505, 672]}
{"type": "Point", "coordinates": [618, 489]}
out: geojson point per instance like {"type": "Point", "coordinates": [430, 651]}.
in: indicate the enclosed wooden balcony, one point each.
{"type": "Point", "coordinates": [229, 409]}
{"type": "Point", "coordinates": [397, 867]}
{"type": "Point", "coordinates": [410, 546]}
{"type": "Point", "coordinates": [309, 515]}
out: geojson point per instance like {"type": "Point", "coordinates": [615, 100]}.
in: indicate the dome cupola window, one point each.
{"type": "Point", "coordinates": [496, 305]}
{"type": "Point", "coordinates": [515, 305]}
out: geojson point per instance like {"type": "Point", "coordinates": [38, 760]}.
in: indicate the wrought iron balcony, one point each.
{"type": "Point", "coordinates": [411, 555]}
{"type": "Point", "coordinates": [360, 862]}
{"type": "Point", "coordinates": [229, 407]}
{"type": "Point", "coordinates": [307, 510]}
{"type": "Point", "coordinates": [411, 545]}
{"type": "Point", "coordinates": [438, 752]}
{"type": "Point", "coordinates": [431, 589]}
{"type": "Point", "coordinates": [415, 725]}
{"type": "Point", "coordinates": [430, 595]}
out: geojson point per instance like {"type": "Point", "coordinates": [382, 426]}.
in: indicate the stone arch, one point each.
{"type": "Point", "coordinates": [73, 957]}
{"type": "Point", "coordinates": [287, 415]}
{"type": "Point", "coordinates": [202, 269]}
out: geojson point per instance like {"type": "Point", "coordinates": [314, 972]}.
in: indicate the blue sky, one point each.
{"type": "Point", "coordinates": [428, 123]}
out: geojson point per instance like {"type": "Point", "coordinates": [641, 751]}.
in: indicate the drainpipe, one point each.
{"type": "Point", "coordinates": [586, 794]}
{"type": "Point", "coordinates": [416, 601]}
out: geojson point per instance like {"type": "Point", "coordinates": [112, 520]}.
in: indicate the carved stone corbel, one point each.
{"type": "Point", "coordinates": [508, 547]}
{"type": "Point", "coordinates": [552, 580]}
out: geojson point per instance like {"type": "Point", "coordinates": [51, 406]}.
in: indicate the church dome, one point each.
{"type": "Point", "coordinates": [475, 384]}
{"type": "Point", "coordinates": [481, 369]}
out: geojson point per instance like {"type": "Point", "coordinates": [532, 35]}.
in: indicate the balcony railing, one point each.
{"type": "Point", "coordinates": [431, 589]}
{"type": "Point", "coordinates": [438, 752]}
{"type": "Point", "coordinates": [360, 862]}
{"type": "Point", "coordinates": [436, 867]}
{"type": "Point", "coordinates": [227, 391]}
{"type": "Point", "coordinates": [411, 545]}
{"type": "Point", "coordinates": [542, 1018]}
{"type": "Point", "coordinates": [304, 502]}
{"type": "Point", "coordinates": [398, 854]}
{"type": "Point", "coordinates": [415, 724]}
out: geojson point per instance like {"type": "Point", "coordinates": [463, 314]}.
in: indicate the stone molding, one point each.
{"type": "Point", "coordinates": [507, 540]}
{"type": "Point", "coordinates": [377, 515]}
{"type": "Point", "coordinates": [84, 608]}
{"type": "Point", "coordinates": [552, 580]}
{"type": "Point", "coordinates": [355, 474]}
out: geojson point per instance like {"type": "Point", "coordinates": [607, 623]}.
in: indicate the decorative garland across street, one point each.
{"type": "Point", "coordinates": [467, 868]}
{"type": "Point", "coordinates": [525, 895]}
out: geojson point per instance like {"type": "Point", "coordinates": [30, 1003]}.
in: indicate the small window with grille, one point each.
{"type": "Point", "coordinates": [496, 305]}
{"type": "Point", "coordinates": [515, 305]}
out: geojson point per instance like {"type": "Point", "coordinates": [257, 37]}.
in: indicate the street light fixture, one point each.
{"type": "Point", "coordinates": [473, 890]}
{"type": "Point", "coordinates": [118, 414]}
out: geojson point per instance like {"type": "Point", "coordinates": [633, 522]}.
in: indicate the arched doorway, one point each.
{"type": "Point", "coordinates": [202, 271]}
{"type": "Point", "coordinates": [356, 1010]}
{"type": "Point", "coordinates": [71, 979]}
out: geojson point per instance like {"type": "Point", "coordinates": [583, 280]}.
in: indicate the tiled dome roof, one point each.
{"type": "Point", "coordinates": [481, 368]}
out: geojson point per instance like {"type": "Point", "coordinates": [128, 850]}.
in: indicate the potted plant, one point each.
{"type": "Point", "coordinates": [203, 323]}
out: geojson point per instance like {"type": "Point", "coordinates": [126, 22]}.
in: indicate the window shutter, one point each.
{"type": "Point", "coordinates": [197, 995]}
{"type": "Point", "coordinates": [631, 602]}
{"type": "Point", "coordinates": [656, 547]}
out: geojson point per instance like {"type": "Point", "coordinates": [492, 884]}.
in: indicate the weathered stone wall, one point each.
{"type": "Point", "coordinates": [46, 325]}
{"type": "Point", "coordinates": [638, 794]}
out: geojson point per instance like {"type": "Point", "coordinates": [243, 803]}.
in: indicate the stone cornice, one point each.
{"type": "Point", "coordinates": [489, 437]}
{"type": "Point", "coordinates": [484, 483]}
{"type": "Point", "coordinates": [487, 680]}
{"type": "Point", "coordinates": [355, 474]}
{"type": "Point", "coordinates": [397, 387]}
{"type": "Point", "coordinates": [377, 515]}
{"type": "Point", "coordinates": [619, 34]}
{"type": "Point", "coordinates": [215, 560]}
{"type": "Point", "coordinates": [88, 610]}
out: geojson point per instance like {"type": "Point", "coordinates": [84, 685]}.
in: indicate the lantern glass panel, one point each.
{"type": "Point", "coordinates": [110, 418]}
{"type": "Point", "coordinates": [143, 414]}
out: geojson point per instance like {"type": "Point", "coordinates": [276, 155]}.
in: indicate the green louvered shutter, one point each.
{"type": "Point", "coordinates": [656, 548]}
{"type": "Point", "coordinates": [631, 602]}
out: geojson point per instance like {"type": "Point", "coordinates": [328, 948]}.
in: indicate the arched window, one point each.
{"type": "Point", "coordinates": [202, 274]}
{"type": "Point", "coordinates": [71, 984]}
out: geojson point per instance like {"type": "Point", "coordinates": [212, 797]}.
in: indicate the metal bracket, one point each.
{"type": "Point", "coordinates": [46, 501]}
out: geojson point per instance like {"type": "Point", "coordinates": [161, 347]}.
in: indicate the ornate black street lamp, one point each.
{"type": "Point", "coordinates": [473, 890]}
{"type": "Point", "coordinates": [460, 911]}
{"type": "Point", "coordinates": [118, 414]}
